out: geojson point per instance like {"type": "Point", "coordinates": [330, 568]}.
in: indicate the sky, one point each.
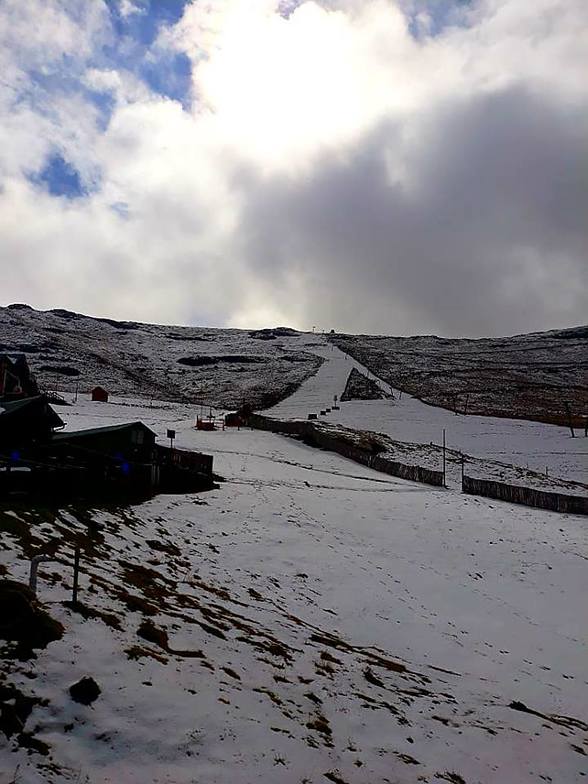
{"type": "Point", "coordinates": [370, 166]}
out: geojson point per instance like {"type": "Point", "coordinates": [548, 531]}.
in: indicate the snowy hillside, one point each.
{"type": "Point", "coordinates": [530, 376]}
{"type": "Point", "coordinates": [309, 620]}
{"type": "Point", "coordinates": [514, 450]}
{"type": "Point", "coordinates": [221, 367]}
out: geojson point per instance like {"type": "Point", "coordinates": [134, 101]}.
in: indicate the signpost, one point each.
{"type": "Point", "coordinates": [171, 434]}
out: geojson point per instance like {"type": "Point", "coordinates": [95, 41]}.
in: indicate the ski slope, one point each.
{"type": "Point", "coordinates": [533, 445]}
{"type": "Point", "coordinates": [321, 623]}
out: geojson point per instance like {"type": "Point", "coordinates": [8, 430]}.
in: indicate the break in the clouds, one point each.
{"type": "Point", "coordinates": [377, 166]}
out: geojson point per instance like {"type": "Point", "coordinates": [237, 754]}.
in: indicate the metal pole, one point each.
{"type": "Point", "coordinates": [570, 420]}
{"type": "Point", "coordinates": [443, 457]}
{"type": "Point", "coordinates": [76, 574]}
{"type": "Point", "coordinates": [34, 567]}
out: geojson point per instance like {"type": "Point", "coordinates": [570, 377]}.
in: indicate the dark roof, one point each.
{"type": "Point", "coordinates": [19, 375]}
{"type": "Point", "coordinates": [93, 431]}
{"type": "Point", "coordinates": [11, 407]}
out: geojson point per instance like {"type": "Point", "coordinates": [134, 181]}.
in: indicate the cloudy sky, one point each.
{"type": "Point", "coordinates": [382, 166]}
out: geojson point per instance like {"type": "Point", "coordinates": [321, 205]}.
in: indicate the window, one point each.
{"type": "Point", "coordinates": [137, 437]}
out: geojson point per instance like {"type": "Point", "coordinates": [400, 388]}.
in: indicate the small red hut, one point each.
{"type": "Point", "coordinates": [233, 419]}
{"type": "Point", "coordinates": [100, 395]}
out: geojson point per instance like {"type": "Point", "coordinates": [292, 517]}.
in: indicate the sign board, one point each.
{"type": "Point", "coordinates": [171, 434]}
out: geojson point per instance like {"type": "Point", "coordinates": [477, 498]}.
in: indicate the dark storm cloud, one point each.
{"type": "Point", "coordinates": [483, 231]}
{"type": "Point", "coordinates": [377, 165]}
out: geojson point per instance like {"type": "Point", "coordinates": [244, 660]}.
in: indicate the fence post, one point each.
{"type": "Point", "coordinates": [34, 567]}
{"type": "Point", "coordinates": [570, 420]}
{"type": "Point", "coordinates": [76, 576]}
{"type": "Point", "coordinates": [444, 485]}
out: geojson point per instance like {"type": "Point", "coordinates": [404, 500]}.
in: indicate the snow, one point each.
{"type": "Point", "coordinates": [224, 367]}
{"type": "Point", "coordinates": [538, 374]}
{"type": "Point", "coordinates": [519, 442]}
{"type": "Point", "coordinates": [308, 582]}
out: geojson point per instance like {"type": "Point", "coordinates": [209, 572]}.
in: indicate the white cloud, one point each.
{"type": "Point", "coordinates": [129, 8]}
{"type": "Point", "coordinates": [41, 37]}
{"type": "Point", "coordinates": [331, 167]}
{"type": "Point", "coordinates": [38, 33]}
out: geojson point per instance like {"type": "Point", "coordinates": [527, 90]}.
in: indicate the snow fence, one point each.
{"type": "Point", "coordinates": [555, 502]}
{"type": "Point", "coordinates": [313, 434]}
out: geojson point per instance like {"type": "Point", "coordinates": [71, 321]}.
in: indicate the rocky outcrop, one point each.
{"type": "Point", "coordinates": [360, 387]}
{"type": "Point", "coordinates": [23, 622]}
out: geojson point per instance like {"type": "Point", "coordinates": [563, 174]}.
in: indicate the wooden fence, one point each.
{"type": "Point", "coordinates": [312, 434]}
{"type": "Point", "coordinates": [555, 502]}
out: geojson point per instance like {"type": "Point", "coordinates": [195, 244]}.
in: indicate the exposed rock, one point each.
{"type": "Point", "coordinates": [15, 708]}
{"type": "Point", "coordinates": [85, 691]}
{"type": "Point", "coordinates": [23, 621]}
{"type": "Point", "coordinates": [60, 370]}
{"type": "Point", "coordinates": [211, 359]}
{"type": "Point", "coordinates": [360, 387]}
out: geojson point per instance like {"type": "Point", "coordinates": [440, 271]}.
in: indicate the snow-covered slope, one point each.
{"type": "Point", "coordinates": [221, 367]}
{"type": "Point", "coordinates": [324, 623]}
{"type": "Point", "coordinates": [309, 620]}
{"type": "Point", "coordinates": [530, 376]}
{"type": "Point", "coordinates": [540, 447]}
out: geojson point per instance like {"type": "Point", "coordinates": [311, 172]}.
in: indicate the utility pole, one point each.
{"type": "Point", "coordinates": [444, 483]}
{"type": "Point", "coordinates": [76, 576]}
{"type": "Point", "coordinates": [570, 420]}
